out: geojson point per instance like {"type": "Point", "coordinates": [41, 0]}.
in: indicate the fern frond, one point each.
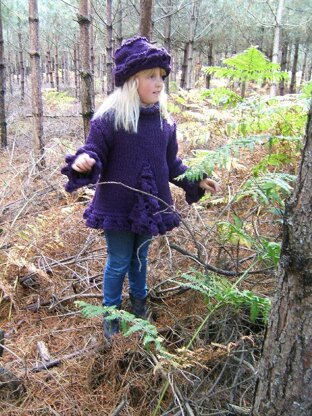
{"type": "Point", "coordinates": [148, 330]}
{"type": "Point", "coordinates": [249, 65]}
{"type": "Point", "coordinates": [207, 161]}
{"type": "Point", "coordinates": [225, 294]}
{"type": "Point", "coordinates": [268, 188]}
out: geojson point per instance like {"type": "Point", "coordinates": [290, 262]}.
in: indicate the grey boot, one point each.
{"type": "Point", "coordinates": [111, 326]}
{"type": "Point", "coordinates": [138, 306]}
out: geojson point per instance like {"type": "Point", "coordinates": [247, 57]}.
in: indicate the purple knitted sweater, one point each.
{"type": "Point", "coordinates": [146, 161]}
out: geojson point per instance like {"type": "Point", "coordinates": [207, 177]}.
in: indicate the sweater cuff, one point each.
{"type": "Point", "coordinates": [76, 179]}
{"type": "Point", "coordinates": [193, 193]}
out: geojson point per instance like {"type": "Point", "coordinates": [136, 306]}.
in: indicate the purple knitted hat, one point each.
{"type": "Point", "coordinates": [137, 54]}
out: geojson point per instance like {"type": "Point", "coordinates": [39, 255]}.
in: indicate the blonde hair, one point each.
{"type": "Point", "coordinates": [125, 104]}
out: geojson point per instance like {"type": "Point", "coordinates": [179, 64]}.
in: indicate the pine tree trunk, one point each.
{"type": "Point", "coordinates": [66, 69]}
{"type": "Point", "coordinates": [288, 60]}
{"type": "Point", "coordinates": [92, 57]}
{"type": "Point", "coordinates": [17, 68]}
{"type": "Point", "coordinates": [76, 70]}
{"type": "Point", "coordinates": [63, 69]}
{"type": "Point", "coordinates": [49, 69]}
{"type": "Point", "coordinates": [309, 73]}
{"type": "Point", "coordinates": [283, 67]}
{"type": "Point", "coordinates": [167, 34]}
{"type": "Point", "coordinates": [119, 36]}
{"type": "Point", "coordinates": [109, 47]}
{"type": "Point", "coordinates": [304, 65]}
{"type": "Point", "coordinates": [21, 60]}
{"type": "Point", "coordinates": [10, 70]}
{"type": "Point", "coordinates": [57, 76]}
{"type": "Point", "coordinates": [85, 70]}
{"type": "Point", "coordinates": [174, 64]}
{"type": "Point", "coordinates": [190, 47]}
{"type": "Point", "coordinates": [102, 69]}
{"type": "Point", "coordinates": [46, 66]}
{"type": "Point", "coordinates": [210, 63]}
{"type": "Point", "coordinates": [284, 387]}
{"type": "Point", "coordinates": [3, 124]}
{"type": "Point", "coordinates": [276, 41]}
{"type": "Point", "coordinates": [184, 67]}
{"type": "Point", "coordinates": [37, 107]}
{"type": "Point", "coordinates": [292, 88]}
{"type": "Point", "coordinates": [146, 7]}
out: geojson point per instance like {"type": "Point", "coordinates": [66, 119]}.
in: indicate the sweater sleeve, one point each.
{"type": "Point", "coordinates": [97, 147]}
{"type": "Point", "coordinates": [193, 192]}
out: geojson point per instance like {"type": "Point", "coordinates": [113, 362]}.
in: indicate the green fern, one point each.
{"type": "Point", "coordinates": [269, 251]}
{"type": "Point", "coordinates": [267, 189]}
{"type": "Point", "coordinates": [213, 287]}
{"type": "Point", "coordinates": [256, 115]}
{"type": "Point", "coordinates": [233, 234]}
{"type": "Point", "coordinates": [222, 97]}
{"type": "Point", "coordinates": [306, 91]}
{"type": "Point", "coordinates": [207, 161]}
{"type": "Point", "coordinates": [149, 331]}
{"type": "Point", "coordinates": [250, 65]}
{"type": "Point", "coordinates": [276, 160]}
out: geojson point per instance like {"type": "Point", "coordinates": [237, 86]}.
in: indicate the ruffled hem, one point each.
{"type": "Point", "coordinates": [119, 223]}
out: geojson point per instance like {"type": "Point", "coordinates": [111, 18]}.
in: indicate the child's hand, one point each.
{"type": "Point", "coordinates": [209, 185]}
{"type": "Point", "coordinates": [83, 163]}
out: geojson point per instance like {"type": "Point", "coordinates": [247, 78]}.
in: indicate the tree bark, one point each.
{"type": "Point", "coordinates": [109, 47]}
{"type": "Point", "coordinates": [119, 35]}
{"type": "Point", "coordinates": [283, 67]}
{"type": "Point", "coordinates": [304, 65]}
{"type": "Point", "coordinates": [167, 34]}
{"type": "Point", "coordinates": [210, 63]}
{"type": "Point", "coordinates": [85, 70]}
{"type": "Point", "coordinates": [49, 69]}
{"type": "Point", "coordinates": [21, 60]}
{"type": "Point", "coordinates": [276, 41]}
{"type": "Point", "coordinates": [10, 71]}
{"type": "Point", "coordinates": [190, 47]}
{"type": "Point", "coordinates": [3, 124]}
{"type": "Point", "coordinates": [56, 67]}
{"type": "Point", "coordinates": [102, 70]}
{"type": "Point", "coordinates": [76, 70]}
{"type": "Point", "coordinates": [284, 387]}
{"type": "Point", "coordinates": [309, 73]}
{"type": "Point", "coordinates": [37, 107]}
{"type": "Point", "coordinates": [184, 67]}
{"type": "Point", "coordinates": [146, 7]}
{"type": "Point", "coordinates": [292, 88]}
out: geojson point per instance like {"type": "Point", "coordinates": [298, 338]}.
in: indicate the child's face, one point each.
{"type": "Point", "coordinates": [150, 85]}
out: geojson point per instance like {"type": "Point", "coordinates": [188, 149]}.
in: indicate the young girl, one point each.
{"type": "Point", "coordinates": [131, 151]}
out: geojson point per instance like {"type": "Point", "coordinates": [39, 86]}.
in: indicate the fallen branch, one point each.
{"type": "Point", "coordinates": [119, 408]}
{"type": "Point", "coordinates": [54, 302]}
{"type": "Point", "coordinates": [1, 341]}
{"type": "Point", "coordinates": [215, 269]}
{"type": "Point", "coordinates": [57, 361]}
{"type": "Point", "coordinates": [237, 410]}
{"type": "Point", "coordinates": [56, 263]}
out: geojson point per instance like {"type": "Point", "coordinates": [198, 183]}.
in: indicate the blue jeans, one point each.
{"type": "Point", "coordinates": [127, 253]}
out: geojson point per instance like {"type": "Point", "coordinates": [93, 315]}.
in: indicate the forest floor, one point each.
{"type": "Point", "coordinates": [53, 360]}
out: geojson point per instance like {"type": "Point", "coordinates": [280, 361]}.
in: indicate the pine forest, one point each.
{"type": "Point", "coordinates": [228, 329]}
